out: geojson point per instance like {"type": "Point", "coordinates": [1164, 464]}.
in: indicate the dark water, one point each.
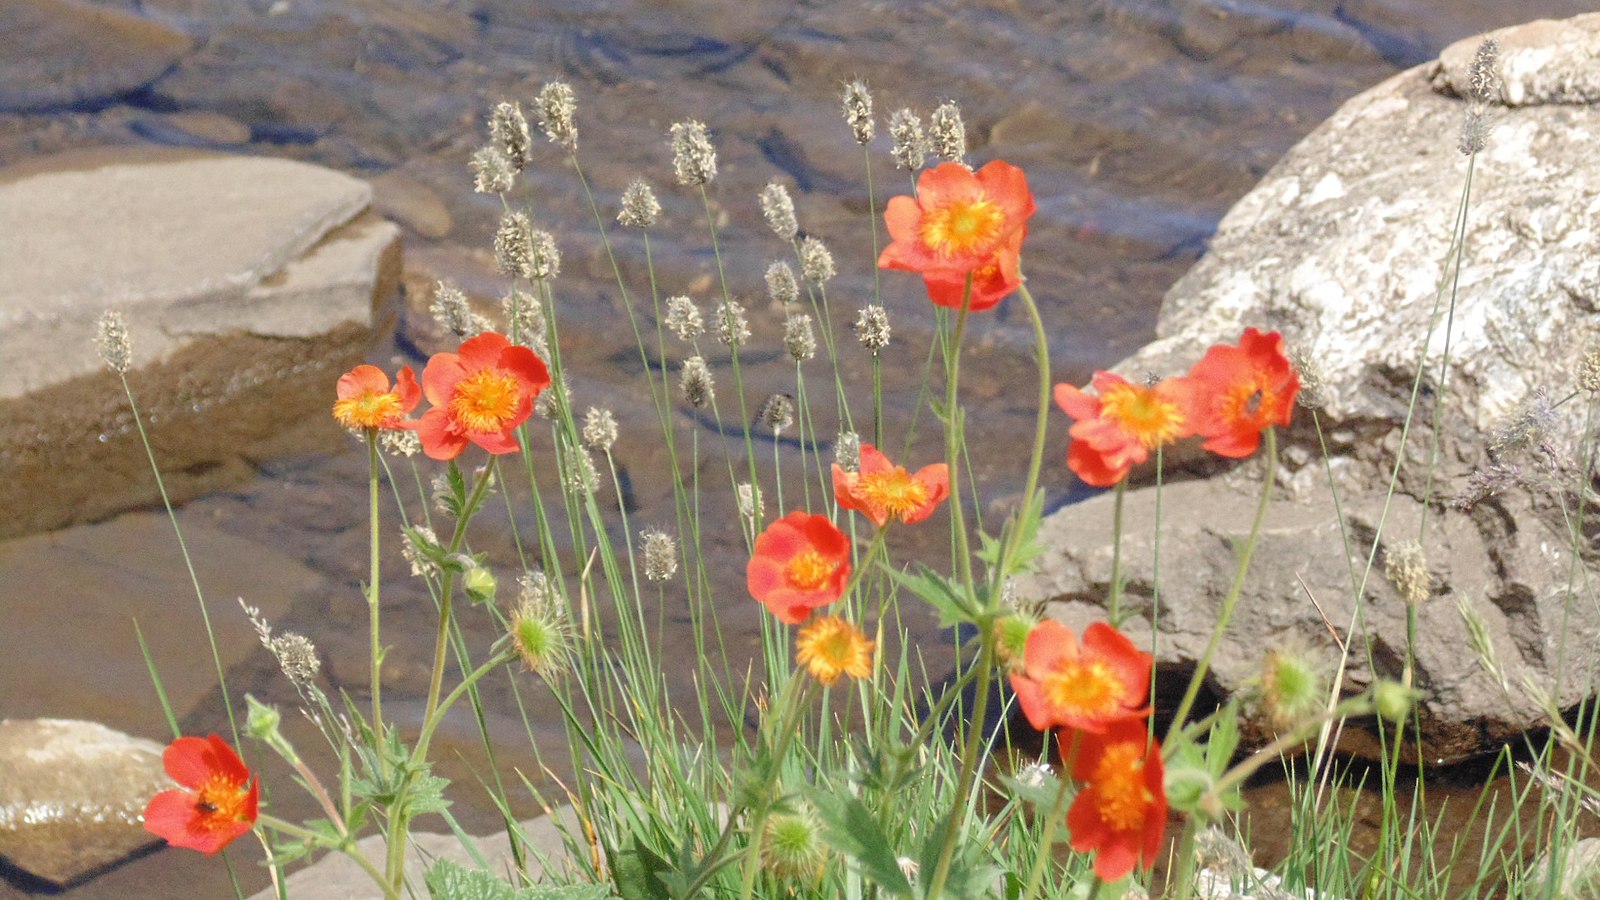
{"type": "Point", "coordinates": [1138, 122]}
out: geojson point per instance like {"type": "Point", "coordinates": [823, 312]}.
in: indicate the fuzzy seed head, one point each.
{"type": "Point", "coordinates": [553, 399]}
{"type": "Point", "coordinates": [397, 442]}
{"type": "Point", "coordinates": [847, 451]}
{"type": "Point", "coordinates": [418, 544]}
{"type": "Point", "coordinates": [872, 327]}
{"type": "Point", "coordinates": [748, 497]}
{"type": "Point", "coordinates": [525, 316]}
{"type": "Point", "coordinates": [660, 552]}
{"type": "Point", "coordinates": [297, 658]}
{"type": "Point", "coordinates": [858, 110]}
{"type": "Point", "coordinates": [581, 476]}
{"type": "Point", "coordinates": [792, 845]}
{"type": "Point", "coordinates": [1313, 386]}
{"type": "Point", "coordinates": [640, 209]}
{"type": "Point", "coordinates": [778, 209]}
{"type": "Point", "coordinates": [1474, 133]}
{"type": "Point", "coordinates": [947, 133]}
{"type": "Point", "coordinates": [776, 413]}
{"type": "Point", "coordinates": [1406, 567]}
{"type": "Point", "coordinates": [599, 429]}
{"type": "Point", "coordinates": [451, 311]}
{"type": "Point", "coordinates": [684, 318]}
{"type": "Point", "coordinates": [816, 261]}
{"type": "Point", "coordinates": [508, 129]}
{"type": "Point", "coordinates": [733, 329]}
{"type": "Point", "coordinates": [524, 251]}
{"type": "Point", "coordinates": [798, 337]}
{"type": "Point", "coordinates": [112, 340]}
{"type": "Point", "coordinates": [911, 147]}
{"type": "Point", "coordinates": [558, 106]}
{"type": "Point", "coordinates": [542, 637]}
{"type": "Point", "coordinates": [1529, 426]}
{"type": "Point", "coordinates": [1589, 369]}
{"type": "Point", "coordinates": [781, 286]}
{"type": "Point", "coordinates": [1483, 75]}
{"type": "Point", "coordinates": [695, 381]}
{"type": "Point", "coordinates": [1291, 687]}
{"type": "Point", "coordinates": [492, 171]}
{"type": "Point", "coordinates": [694, 160]}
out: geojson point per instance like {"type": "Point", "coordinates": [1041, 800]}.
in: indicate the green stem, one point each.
{"type": "Point", "coordinates": [1114, 601]}
{"type": "Point", "coordinates": [1232, 599]}
{"type": "Point", "coordinates": [372, 593]}
{"type": "Point", "coordinates": [306, 834]}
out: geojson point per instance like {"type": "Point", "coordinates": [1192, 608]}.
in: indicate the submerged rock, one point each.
{"type": "Point", "coordinates": [72, 796]}
{"type": "Point", "coordinates": [1343, 248]}
{"type": "Point", "coordinates": [63, 53]}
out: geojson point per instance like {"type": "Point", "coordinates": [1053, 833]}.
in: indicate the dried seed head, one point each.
{"type": "Point", "coordinates": [509, 131]}
{"type": "Point", "coordinates": [513, 245]}
{"type": "Point", "coordinates": [683, 317]}
{"type": "Point", "coordinates": [1474, 133]}
{"type": "Point", "coordinates": [1313, 387]}
{"type": "Point", "coordinates": [525, 316]}
{"type": "Point", "coordinates": [947, 133]}
{"type": "Point", "coordinates": [660, 554]}
{"type": "Point", "coordinates": [858, 110]}
{"type": "Point", "coordinates": [847, 451]}
{"type": "Point", "coordinates": [545, 263]}
{"type": "Point", "coordinates": [599, 429]}
{"type": "Point", "coordinates": [553, 399]}
{"type": "Point", "coordinates": [1529, 426]}
{"type": "Point", "coordinates": [451, 311]}
{"type": "Point", "coordinates": [557, 108]}
{"type": "Point", "coordinates": [778, 209]}
{"type": "Point", "coordinates": [732, 327]}
{"type": "Point", "coordinates": [748, 496]}
{"type": "Point", "coordinates": [816, 262]}
{"type": "Point", "coordinates": [1483, 75]}
{"type": "Point", "coordinates": [781, 286]}
{"type": "Point", "coordinates": [536, 590]}
{"type": "Point", "coordinates": [397, 442]}
{"type": "Point", "coordinates": [695, 380]}
{"type": "Point", "coordinates": [910, 143]}
{"type": "Point", "coordinates": [1589, 369]}
{"type": "Point", "coordinates": [776, 413]}
{"type": "Point", "coordinates": [1036, 775]}
{"type": "Point", "coordinates": [112, 340]}
{"type": "Point", "coordinates": [1486, 482]}
{"type": "Point", "coordinates": [297, 658]}
{"type": "Point", "coordinates": [418, 544]}
{"type": "Point", "coordinates": [492, 172]}
{"type": "Point", "coordinates": [1407, 569]}
{"type": "Point", "coordinates": [872, 327]}
{"type": "Point", "coordinates": [640, 209]}
{"type": "Point", "coordinates": [581, 477]}
{"type": "Point", "coordinates": [798, 338]}
{"type": "Point", "coordinates": [694, 160]}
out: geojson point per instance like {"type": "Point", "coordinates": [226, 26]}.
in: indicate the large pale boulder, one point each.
{"type": "Point", "coordinates": [72, 795]}
{"type": "Point", "coordinates": [1343, 248]}
{"type": "Point", "coordinates": [248, 285]}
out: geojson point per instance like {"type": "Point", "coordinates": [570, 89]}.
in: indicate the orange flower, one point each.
{"type": "Point", "coordinates": [1117, 430]}
{"type": "Point", "coordinates": [961, 222]}
{"type": "Point", "coordinates": [366, 400]}
{"type": "Point", "coordinates": [829, 646]}
{"type": "Point", "coordinates": [1241, 391]}
{"type": "Point", "coordinates": [479, 395]}
{"type": "Point", "coordinates": [1087, 685]}
{"type": "Point", "coordinates": [1121, 812]}
{"type": "Point", "coordinates": [801, 562]}
{"type": "Point", "coordinates": [882, 491]}
{"type": "Point", "coordinates": [219, 805]}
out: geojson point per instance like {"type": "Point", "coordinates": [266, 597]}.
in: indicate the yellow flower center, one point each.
{"type": "Point", "coordinates": [1085, 689]}
{"type": "Point", "coordinates": [220, 802]}
{"type": "Point", "coordinates": [809, 571]}
{"type": "Point", "coordinates": [369, 409]}
{"type": "Point", "coordinates": [1119, 782]}
{"type": "Point", "coordinates": [1247, 401]}
{"type": "Point", "coordinates": [963, 227]}
{"type": "Point", "coordinates": [829, 647]}
{"type": "Point", "coordinates": [1151, 419]}
{"type": "Point", "coordinates": [485, 401]}
{"type": "Point", "coordinates": [895, 492]}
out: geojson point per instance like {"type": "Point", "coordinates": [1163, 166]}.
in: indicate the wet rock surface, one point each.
{"type": "Point", "coordinates": [1341, 247]}
{"type": "Point", "coordinates": [61, 54]}
{"type": "Point", "coordinates": [73, 795]}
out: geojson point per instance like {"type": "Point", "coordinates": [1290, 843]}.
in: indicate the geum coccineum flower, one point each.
{"type": "Point", "coordinates": [219, 800]}
{"type": "Point", "coordinates": [829, 647]}
{"type": "Point", "coordinates": [881, 490]}
{"type": "Point", "coordinates": [367, 402]}
{"type": "Point", "coordinates": [1119, 428]}
{"type": "Point", "coordinates": [1240, 391]}
{"type": "Point", "coordinates": [800, 562]}
{"type": "Point", "coordinates": [1121, 812]}
{"type": "Point", "coordinates": [480, 394]}
{"type": "Point", "coordinates": [1086, 685]}
{"type": "Point", "coordinates": [962, 223]}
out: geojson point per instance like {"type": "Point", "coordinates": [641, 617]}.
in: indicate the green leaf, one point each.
{"type": "Point", "coordinates": [1224, 740]}
{"type": "Point", "coordinates": [638, 871]}
{"type": "Point", "coordinates": [967, 879]}
{"type": "Point", "coordinates": [944, 595]}
{"type": "Point", "coordinates": [849, 827]}
{"type": "Point", "coordinates": [449, 881]}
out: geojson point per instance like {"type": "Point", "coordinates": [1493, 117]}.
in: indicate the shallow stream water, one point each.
{"type": "Point", "coordinates": [1138, 122]}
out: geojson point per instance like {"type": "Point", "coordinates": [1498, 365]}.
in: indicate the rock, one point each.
{"type": "Point", "coordinates": [73, 795]}
{"type": "Point", "coordinates": [63, 53]}
{"type": "Point", "coordinates": [1341, 247]}
{"type": "Point", "coordinates": [248, 285]}
{"type": "Point", "coordinates": [337, 877]}
{"type": "Point", "coordinates": [1540, 62]}
{"type": "Point", "coordinates": [412, 204]}
{"type": "Point", "coordinates": [1580, 872]}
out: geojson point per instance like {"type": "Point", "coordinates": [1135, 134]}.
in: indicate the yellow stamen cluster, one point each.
{"type": "Point", "coordinates": [369, 409]}
{"type": "Point", "coordinates": [830, 647]}
{"type": "Point", "coordinates": [962, 228]}
{"type": "Point", "coordinates": [485, 400]}
{"type": "Point", "coordinates": [1090, 689]}
{"type": "Point", "coordinates": [809, 571]}
{"type": "Point", "coordinates": [221, 802]}
{"type": "Point", "coordinates": [895, 492]}
{"type": "Point", "coordinates": [1119, 782]}
{"type": "Point", "coordinates": [1150, 418]}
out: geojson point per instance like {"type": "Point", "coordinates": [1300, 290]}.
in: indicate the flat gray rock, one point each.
{"type": "Point", "coordinates": [72, 795]}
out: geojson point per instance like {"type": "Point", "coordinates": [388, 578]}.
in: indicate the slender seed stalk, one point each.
{"type": "Point", "coordinates": [372, 591]}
